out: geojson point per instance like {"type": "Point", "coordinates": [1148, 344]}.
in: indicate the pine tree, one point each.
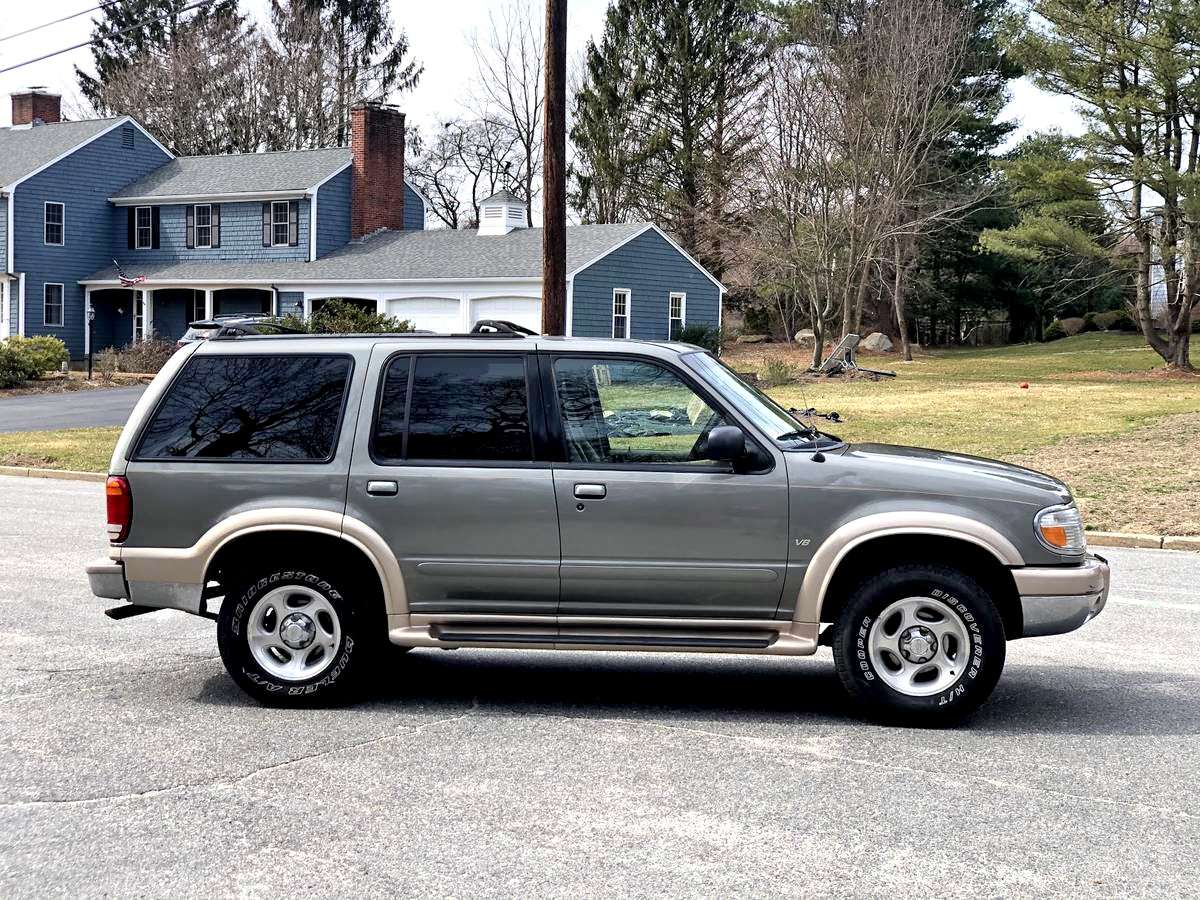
{"type": "Point", "coordinates": [128, 29]}
{"type": "Point", "coordinates": [677, 110]}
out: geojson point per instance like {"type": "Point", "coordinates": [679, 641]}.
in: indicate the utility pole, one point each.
{"type": "Point", "coordinates": [554, 173]}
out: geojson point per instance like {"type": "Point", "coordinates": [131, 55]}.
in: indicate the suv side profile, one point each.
{"type": "Point", "coordinates": [338, 494]}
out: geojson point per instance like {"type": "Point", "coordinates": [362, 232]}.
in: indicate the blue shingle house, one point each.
{"type": "Point", "coordinates": [87, 206]}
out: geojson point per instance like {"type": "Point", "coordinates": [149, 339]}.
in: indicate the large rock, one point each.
{"type": "Point", "coordinates": [806, 337]}
{"type": "Point", "coordinates": [753, 338]}
{"type": "Point", "coordinates": [877, 342]}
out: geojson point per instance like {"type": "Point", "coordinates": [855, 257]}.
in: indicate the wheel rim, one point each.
{"type": "Point", "coordinates": [294, 633]}
{"type": "Point", "coordinates": [919, 646]}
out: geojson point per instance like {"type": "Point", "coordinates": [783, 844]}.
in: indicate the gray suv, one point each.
{"type": "Point", "coordinates": [339, 495]}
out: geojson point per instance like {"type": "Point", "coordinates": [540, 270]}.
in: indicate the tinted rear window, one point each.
{"type": "Point", "coordinates": [461, 408]}
{"type": "Point", "coordinates": [283, 408]}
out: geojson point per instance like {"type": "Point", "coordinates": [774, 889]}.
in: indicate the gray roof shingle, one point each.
{"type": "Point", "coordinates": [239, 173]}
{"type": "Point", "coordinates": [23, 150]}
{"type": "Point", "coordinates": [403, 256]}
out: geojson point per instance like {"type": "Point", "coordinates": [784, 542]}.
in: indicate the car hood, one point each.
{"type": "Point", "coordinates": [939, 471]}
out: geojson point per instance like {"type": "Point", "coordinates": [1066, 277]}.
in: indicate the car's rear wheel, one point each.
{"type": "Point", "coordinates": [290, 637]}
{"type": "Point", "coordinates": [919, 644]}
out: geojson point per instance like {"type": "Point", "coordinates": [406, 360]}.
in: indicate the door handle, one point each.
{"type": "Point", "coordinates": [382, 488]}
{"type": "Point", "coordinates": [590, 491]}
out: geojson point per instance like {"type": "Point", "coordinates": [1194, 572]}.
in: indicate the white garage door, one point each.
{"type": "Point", "coordinates": [525, 311]}
{"type": "Point", "coordinates": [429, 313]}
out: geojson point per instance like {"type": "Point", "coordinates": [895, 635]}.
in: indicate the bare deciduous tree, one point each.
{"type": "Point", "coordinates": [854, 114]}
{"type": "Point", "coordinates": [509, 91]}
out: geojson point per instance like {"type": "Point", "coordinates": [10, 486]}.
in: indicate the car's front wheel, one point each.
{"type": "Point", "coordinates": [291, 637]}
{"type": "Point", "coordinates": [920, 644]}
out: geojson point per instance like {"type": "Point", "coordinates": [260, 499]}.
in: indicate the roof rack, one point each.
{"type": "Point", "coordinates": [486, 336]}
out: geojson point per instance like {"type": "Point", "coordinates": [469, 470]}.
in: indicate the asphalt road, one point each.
{"type": "Point", "coordinates": [70, 409]}
{"type": "Point", "coordinates": [131, 765]}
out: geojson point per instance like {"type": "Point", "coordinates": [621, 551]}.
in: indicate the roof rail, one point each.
{"type": "Point", "coordinates": [486, 336]}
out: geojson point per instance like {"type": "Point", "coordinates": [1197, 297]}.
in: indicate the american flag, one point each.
{"type": "Point", "coordinates": [127, 281]}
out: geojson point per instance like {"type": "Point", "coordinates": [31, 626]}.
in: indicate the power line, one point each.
{"type": "Point", "coordinates": [144, 22]}
{"type": "Point", "coordinates": [17, 34]}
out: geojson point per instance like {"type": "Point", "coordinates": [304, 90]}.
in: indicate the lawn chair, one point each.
{"type": "Point", "coordinates": [842, 360]}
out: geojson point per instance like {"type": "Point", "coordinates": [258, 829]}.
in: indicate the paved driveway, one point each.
{"type": "Point", "coordinates": [130, 765]}
{"type": "Point", "coordinates": [71, 409]}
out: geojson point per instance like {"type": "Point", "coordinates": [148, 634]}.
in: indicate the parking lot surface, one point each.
{"type": "Point", "coordinates": [131, 765]}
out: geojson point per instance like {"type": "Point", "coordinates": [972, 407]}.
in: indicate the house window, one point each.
{"type": "Point", "coordinates": [55, 218]}
{"type": "Point", "coordinates": [279, 223]}
{"type": "Point", "coordinates": [620, 317]}
{"type": "Point", "coordinates": [675, 315]}
{"type": "Point", "coordinates": [52, 305]}
{"type": "Point", "coordinates": [198, 306]}
{"type": "Point", "coordinates": [143, 231]}
{"type": "Point", "coordinates": [203, 225]}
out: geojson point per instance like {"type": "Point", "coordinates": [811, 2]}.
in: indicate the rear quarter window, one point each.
{"type": "Point", "coordinates": [284, 408]}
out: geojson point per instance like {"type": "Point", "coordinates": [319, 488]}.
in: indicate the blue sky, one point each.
{"type": "Point", "coordinates": [438, 34]}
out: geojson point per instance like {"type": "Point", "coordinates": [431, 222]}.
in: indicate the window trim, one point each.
{"type": "Point", "coordinates": [137, 228]}
{"type": "Point", "coordinates": [197, 226]}
{"type": "Point", "coordinates": [62, 305]}
{"type": "Point", "coordinates": [133, 454]}
{"type": "Point", "coordinates": [557, 440]}
{"type": "Point", "coordinates": [539, 458]}
{"type": "Point", "coordinates": [46, 223]}
{"type": "Point", "coordinates": [682, 320]}
{"type": "Point", "coordinates": [286, 223]}
{"type": "Point", "coordinates": [628, 314]}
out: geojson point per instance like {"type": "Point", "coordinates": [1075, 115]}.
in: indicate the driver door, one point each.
{"type": "Point", "coordinates": [648, 526]}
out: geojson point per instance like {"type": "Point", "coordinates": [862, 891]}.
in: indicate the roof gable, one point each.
{"type": "Point", "coordinates": [26, 150]}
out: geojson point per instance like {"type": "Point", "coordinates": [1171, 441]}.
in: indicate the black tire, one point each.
{"type": "Point", "coordinates": [948, 591]}
{"type": "Point", "coordinates": [340, 675]}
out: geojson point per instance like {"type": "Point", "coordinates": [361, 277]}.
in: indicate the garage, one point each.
{"type": "Point", "coordinates": [525, 311]}
{"type": "Point", "coordinates": [440, 314]}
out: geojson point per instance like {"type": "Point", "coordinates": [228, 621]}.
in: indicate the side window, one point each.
{"type": "Point", "coordinates": [279, 408]}
{"type": "Point", "coordinates": [387, 440]}
{"type": "Point", "coordinates": [462, 408]}
{"type": "Point", "coordinates": [630, 411]}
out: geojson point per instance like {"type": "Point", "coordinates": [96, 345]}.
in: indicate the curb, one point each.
{"type": "Point", "coordinates": [1142, 541]}
{"type": "Point", "coordinates": [53, 474]}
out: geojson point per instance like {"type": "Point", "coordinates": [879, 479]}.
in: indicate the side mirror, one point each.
{"type": "Point", "coordinates": [726, 444]}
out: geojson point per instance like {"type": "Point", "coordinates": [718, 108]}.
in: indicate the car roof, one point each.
{"type": "Point", "coordinates": [309, 343]}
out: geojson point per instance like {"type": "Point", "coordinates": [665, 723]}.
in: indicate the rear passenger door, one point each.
{"type": "Point", "coordinates": [444, 469]}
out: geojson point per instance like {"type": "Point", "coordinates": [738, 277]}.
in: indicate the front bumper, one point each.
{"type": "Point", "coordinates": [1060, 599]}
{"type": "Point", "coordinates": [107, 579]}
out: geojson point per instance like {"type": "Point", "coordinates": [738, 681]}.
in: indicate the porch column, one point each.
{"type": "Point", "coordinates": [147, 315]}
{"type": "Point", "coordinates": [381, 306]}
{"type": "Point", "coordinates": [135, 314]}
{"type": "Point", "coordinates": [87, 320]}
{"type": "Point", "coordinates": [208, 303]}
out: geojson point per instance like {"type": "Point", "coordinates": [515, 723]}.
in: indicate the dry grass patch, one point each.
{"type": "Point", "coordinates": [1148, 481]}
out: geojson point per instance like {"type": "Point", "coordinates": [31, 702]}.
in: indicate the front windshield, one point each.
{"type": "Point", "coordinates": [765, 413]}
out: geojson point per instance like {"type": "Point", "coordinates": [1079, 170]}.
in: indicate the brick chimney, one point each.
{"type": "Point", "coordinates": [35, 106]}
{"type": "Point", "coordinates": [377, 180]}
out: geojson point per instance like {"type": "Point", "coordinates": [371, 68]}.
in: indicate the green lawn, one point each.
{"type": "Point", "coordinates": [1098, 411]}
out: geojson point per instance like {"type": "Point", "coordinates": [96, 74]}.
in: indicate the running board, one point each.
{"type": "Point", "coordinates": [637, 640]}
{"type": "Point", "coordinates": [537, 632]}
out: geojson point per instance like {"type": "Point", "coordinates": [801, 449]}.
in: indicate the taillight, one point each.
{"type": "Point", "coordinates": [120, 507]}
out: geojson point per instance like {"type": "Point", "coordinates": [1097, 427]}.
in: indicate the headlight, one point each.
{"type": "Point", "coordinates": [1060, 528]}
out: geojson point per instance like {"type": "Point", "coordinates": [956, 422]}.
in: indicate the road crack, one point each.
{"type": "Point", "coordinates": [221, 784]}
